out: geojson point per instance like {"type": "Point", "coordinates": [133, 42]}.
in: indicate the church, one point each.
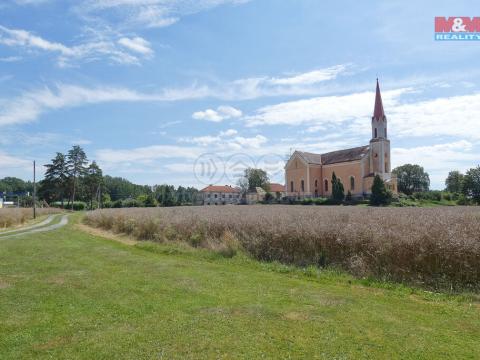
{"type": "Point", "coordinates": [309, 175]}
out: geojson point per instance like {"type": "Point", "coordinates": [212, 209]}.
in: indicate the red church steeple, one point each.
{"type": "Point", "coordinates": [378, 112]}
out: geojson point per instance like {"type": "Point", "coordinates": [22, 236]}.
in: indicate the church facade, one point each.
{"type": "Point", "coordinates": [310, 175]}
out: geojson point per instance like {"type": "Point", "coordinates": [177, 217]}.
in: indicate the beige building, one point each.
{"type": "Point", "coordinates": [276, 190]}
{"type": "Point", "coordinates": [219, 195]}
{"type": "Point", "coordinates": [310, 175]}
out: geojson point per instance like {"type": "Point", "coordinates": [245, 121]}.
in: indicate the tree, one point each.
{"type": "Point", "coordinates": [15, 185]}
{"type": "Point", "coordinates": [76, 162]}
{"type": "Point", "coordinates": [254, 178]}
{"type": "Point", "coordinates": [411, 178]}
{"type": "Point", "coordinates": [338, 192]}
{"type": "Point", "coordinates": [56, 177]}
{"type": "Point", "coordinates": [349, 196]}
{"type": "Point", "coordinates": [454, 181]}
{"type": "Point", "coordinates": [93, 182]}
{"type": "Point", "coordinates": [471, 184]}
{"type": "Point", "coordinates": [380, 194]}
{"type": "Point", "coordinates": [165, 195]}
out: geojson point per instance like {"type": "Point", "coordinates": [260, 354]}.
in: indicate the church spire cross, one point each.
{"type": "Point", "coordinates": [378, 112]}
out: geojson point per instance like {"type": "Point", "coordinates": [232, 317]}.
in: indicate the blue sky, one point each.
{"type": "Point", "coordinates": [148, 87]}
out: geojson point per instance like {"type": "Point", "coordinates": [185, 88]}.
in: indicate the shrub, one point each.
{"type": "Point", "coordinates": [79, 206]}
{"type": "Point", "coordinates": [338, 192]}
{"type": "Point", "coordinates": [380, 194]}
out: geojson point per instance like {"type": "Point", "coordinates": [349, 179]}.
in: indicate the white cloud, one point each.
{"type": "Point", "coordinates": [29, 106]}
{"type": "Point", "coordinates": [311, 77]}
{"type": "Point", "coordinates": [326, 110]}
{"type": "Point", "coordinates": [146, 13]}
{"type": "Point", "coordinates": [438, 159]}
{"type": "Point", "coordinates": [97, 47]}
{"type": "Point", "coordinates": [227, 141]}
{"type": "Point", "coordinates": [222, 113]}
{"type": "Point", "coordinates": [9, 59]}
{"type": "Point", "coordinates": [146, 154]}
{"type": "Point", "coordinates": [452, 116]}
{"type": "Point", "coordinates": [31, 2]}
{"type": "Point", "coordinates": [448, 116]}
{"type": "Point", "coordinates": [10, 161]}
{"type": "Point", "coordinates": [229, 132]}
{"type": "Point", "coordinates": [137, 44]}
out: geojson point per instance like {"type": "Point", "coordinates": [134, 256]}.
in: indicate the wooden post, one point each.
{"type": "Point", "coordinates": [34, 193]}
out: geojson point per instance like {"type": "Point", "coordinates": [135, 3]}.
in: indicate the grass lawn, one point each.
{"type": "Point", "coordinates": [68, 295]}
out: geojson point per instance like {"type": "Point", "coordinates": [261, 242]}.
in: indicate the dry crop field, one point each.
{"type": "Point", "coordinates": [18, 216]}
{"type": "Point", "coordinates": [432, 247]}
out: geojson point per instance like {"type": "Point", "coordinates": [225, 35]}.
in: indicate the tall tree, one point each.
{"type": "Point", "coordinates": [454, 181]}
{"type": "Point", "coordinates": [411, 178]}
{"type": "Point", "coordinates": [338, 191]}
{"type": "Point", "coordinates": [93, 181]}
{"type": "Point", "coordinates": [380, 194]}
{"type": "Point", "coordinates": [254, 178]}
{"type": "Point", "coordinates": [76, 165]}
{"type": "Point", "coordinates": [56, 176]}
{"type": "Point", "coordinates": [471, 184]}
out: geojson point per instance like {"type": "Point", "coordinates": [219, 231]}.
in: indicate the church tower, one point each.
{"type": "Point", "coordinates": [379, 144]}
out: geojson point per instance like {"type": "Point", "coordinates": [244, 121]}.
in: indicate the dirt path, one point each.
{"type": "Point", "coordinates": [47, 221]}
{"type": "Point", "coordinates": [39, 227]}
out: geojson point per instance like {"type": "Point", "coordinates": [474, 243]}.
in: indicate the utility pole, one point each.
{"type": "Point", "coordinates": [34, 193]}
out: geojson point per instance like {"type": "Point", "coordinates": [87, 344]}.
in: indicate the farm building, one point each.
{"type": "Point", "coordinates": [219, 195]}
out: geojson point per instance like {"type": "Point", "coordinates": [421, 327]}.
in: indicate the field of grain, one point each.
{"type": "Point", "coordinates": [17, 216]}
{"type": "Point", "coordinates": [432, 247]}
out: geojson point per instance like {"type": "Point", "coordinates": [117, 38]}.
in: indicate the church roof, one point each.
{"type": "Point", "coordinates": [311, 158]}
{"type": "Point", "coordinates": [346, 155]}
{"type": "Point", "coordinates": [378, 112]}
{"type": "Point", "coordinates": [334, 157]}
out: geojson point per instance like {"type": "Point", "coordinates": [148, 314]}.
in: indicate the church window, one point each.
{"type": "Point", "coordinates": [303, 186]}
{"type": "Point", "coordinates": [316, 183]}
{"type": "Point", "coordinates": [291, 186]}
{"type": "Point", "coordinates": [375, 132]}
{"type": "Point", "coordinates": [352, 183]}
{"type": "Point", "coordinates": [326, 185]}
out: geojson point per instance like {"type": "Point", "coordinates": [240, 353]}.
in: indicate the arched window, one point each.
{"type": "Point", "coordinates": [291, 186]}
{"type": "Point", "coordinates": [316, 183]}
{"type": "Point", "coordinates": [326, 185]}
{"type": "Point", "coordinates": [352, 183]}
{"type": "Point", "coordinates": [375, 132]}
{"type": "Point", "coordinates": [303, 186]}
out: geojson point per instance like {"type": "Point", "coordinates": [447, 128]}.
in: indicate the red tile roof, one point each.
{"type": "Point", "coordinates": [378, 112]}
{"type": "Point", "coordinates": [221, 189]}
{"type": "Point", "coordinates": [277, 188]}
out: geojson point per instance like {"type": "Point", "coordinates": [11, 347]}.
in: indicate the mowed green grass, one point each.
{"type": "Point", "coordinates": [69, 295]}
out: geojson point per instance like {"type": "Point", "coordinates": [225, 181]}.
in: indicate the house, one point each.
{"type": "Point", "coordinates": [219, 195]}
{"type": "Point", "coordinates": [309, 175]}
{"type": "Point", "coordinates": [253, 197]}
{"type": "Point", "coordinates": [277, 191]}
